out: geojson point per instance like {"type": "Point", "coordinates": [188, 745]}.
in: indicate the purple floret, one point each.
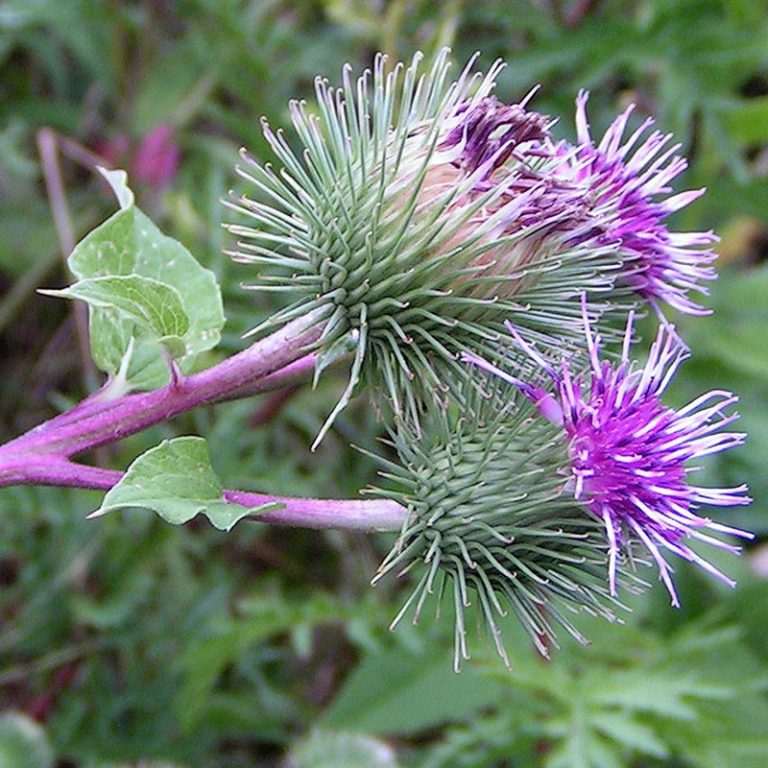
{"type": "Point", "coordinates": [490, 131]}
{"type": "Point", "coordinates": [508, 149]}
{"type": "Point", "coordinates": [628, 451]}
{"type": "Point", "coordinates": [629, 186]}
{"type": "Point", "coordinates": [613, 194]}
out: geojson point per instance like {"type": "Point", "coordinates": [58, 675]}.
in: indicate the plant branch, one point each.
{"type": "Point", "coordinates": [347, 514]}
{"type": "Point", "coordinates": [289, 375]}
{"type": "Point", "coordinates": [97, 421]}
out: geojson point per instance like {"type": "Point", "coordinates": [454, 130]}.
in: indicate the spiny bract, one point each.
{"type": "Point", "coordinates": [489, 519]}
{"type": "Point", "coordinates": [417, 216]}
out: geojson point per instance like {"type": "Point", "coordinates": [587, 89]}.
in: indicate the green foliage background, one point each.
{"type": "Point", "coordinates": [124, 641]}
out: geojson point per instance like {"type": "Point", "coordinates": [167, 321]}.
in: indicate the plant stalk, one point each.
{"type": "Point", "coordinates": [344, 514]}
{"type": "Point", "coordinates": [98, 421]}
{"type": "Point", "coordinates": [42, 455]}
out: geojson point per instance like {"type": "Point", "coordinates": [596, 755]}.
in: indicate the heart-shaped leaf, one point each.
{"type": "Point", "coordinates": [147, 295]}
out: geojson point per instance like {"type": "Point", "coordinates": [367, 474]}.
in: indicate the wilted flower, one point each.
{"type": "Point", "coordinates": [420, 217]}
{"type": "Point", "coordinates": [506, 148]}
{"type": "Point", "coordinates": [628, 451]}
{"type": "Point", "coordinates": [627, 181]}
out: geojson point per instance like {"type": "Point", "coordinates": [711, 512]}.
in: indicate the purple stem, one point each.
{"type": "Point", "coordinates": [347, 514]}
{"type": "Point", "coordinates": [94, 422]}
{"type": "Point", "coordinates": [41, 456]}
{"type": "Point", "coordinates": [52, 470]}
{"type": "Point", "coordinates": [288, 376]}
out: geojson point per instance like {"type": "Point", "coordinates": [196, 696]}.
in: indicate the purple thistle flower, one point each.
{"type": "Point", "coordinates": [629, 185]}
{"type": "Point", "coordinates": [628, 450]}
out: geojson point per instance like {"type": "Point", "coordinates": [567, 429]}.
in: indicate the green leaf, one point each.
{"type": "Point", "coordinates": [621, 727]}
{"type": "Point", "coordinates": [581, 748]}
{"type": "Point", "coordinates": [154, 306]}
{"type": "Point", "coordinates": [147, 294]}
{"type": "Point", "coordinates": [401, 692]}
{"type": "Point", "coordinates": [176, 480]}
{"type": "Point", "coordinates": [174, 89]}
{"type": "Point", "coordinates": [23, 742]}
{"type": "Point", "coordinates": [725, 736]}
{"type": "Point", "coordinates": [118, 180]}
{"type": "Point", "coordinates": [204, 660]}
{"type": "Point", "coordinates": [732, 335]}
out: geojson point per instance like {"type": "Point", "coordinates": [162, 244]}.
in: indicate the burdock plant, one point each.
{"type": "Point", "coordinates": [488, 520]}
{"type": "Point", "coordinates": [411, 220]}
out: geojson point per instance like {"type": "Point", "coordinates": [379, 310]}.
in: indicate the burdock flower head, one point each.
{"type": "Point", "coordinates": [418, 215]}
{"type": "Point", "coordinates": [628, 452]}
{"type": "Point", "coordinates": [489, 523]}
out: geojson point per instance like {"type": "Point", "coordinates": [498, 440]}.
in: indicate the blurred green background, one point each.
{"type": "Point", "coordinates": [125, 642]}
